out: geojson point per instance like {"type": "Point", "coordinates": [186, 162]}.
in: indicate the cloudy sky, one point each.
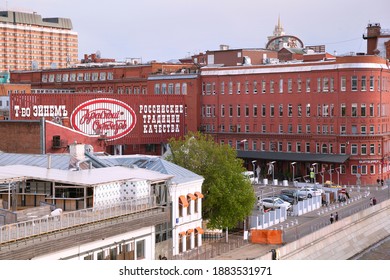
{"type": "Point", "coordinates": [170, 29]}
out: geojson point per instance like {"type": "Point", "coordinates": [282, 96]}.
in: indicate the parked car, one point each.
{"type": "Point", "coordinates": [274, 203]}
{"type": "Point", "coordinates": [250, 175]}
{"type": "Point", "coordinates": [293, 193]}
{"type": "Point", "coordinates": [286, 198]}
{"type": "Point", "coordinates": [319, 189]}
{"type": "Point", "coordinates": [309, 192]}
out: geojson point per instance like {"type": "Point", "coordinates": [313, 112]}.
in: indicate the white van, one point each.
{"type": "Point", "coordinates": [250, 175]}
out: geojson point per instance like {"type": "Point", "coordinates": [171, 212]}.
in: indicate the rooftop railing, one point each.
{"type": "Point", "coordinates": [48, 223]}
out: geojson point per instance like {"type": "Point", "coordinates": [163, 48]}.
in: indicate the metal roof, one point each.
{"type": "Point", "coordinates": [155, 163]}
{"type": "Point", "coordinates": [64, 162]}
{"type": "Point", "coordinates": [89, 177]}
{"type": "Point", "coordinates": [58, 161]}
{"type": "Point", "coordinates": [293, 156]}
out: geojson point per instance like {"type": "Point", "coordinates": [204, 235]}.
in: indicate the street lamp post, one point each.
{"type": "Point", "coordinates": [338, 175]}
{"type": "Point", "coordinates": [254, 171]}
{"type": "Point", "coordinates": [271, 165]}
{"type": "Point", "coordinates": [293, 169]}
{"type": "Point", "coordinates": [243, 142]}
{"type": "Point", "coordinates": [273, 197]}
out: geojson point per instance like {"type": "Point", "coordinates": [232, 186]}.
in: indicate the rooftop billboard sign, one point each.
{"type": "Point", "coordinates": [122, 119]}
{"type": "Point", "coordinates": [104, 116]}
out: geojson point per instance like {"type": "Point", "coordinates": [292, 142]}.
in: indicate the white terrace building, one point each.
{"type": "Point", "coordinates": [119, 225]}
{"type": "Point", "coordinates": [185, 192]}
{"type": "Point", "coordinates": [154, 206]}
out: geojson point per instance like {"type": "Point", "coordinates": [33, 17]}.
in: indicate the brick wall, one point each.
{"type": "Point", "coordinates": [20, 137]}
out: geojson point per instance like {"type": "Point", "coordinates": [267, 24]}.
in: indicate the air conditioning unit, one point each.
{"type": "Point", "coordinates": [56, 141]}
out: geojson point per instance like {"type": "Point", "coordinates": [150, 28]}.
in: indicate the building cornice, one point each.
{"type": "Point", "coordinates": [290, 68]}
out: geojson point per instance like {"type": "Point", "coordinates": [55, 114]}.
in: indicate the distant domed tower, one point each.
{"type": "Point", "coordinates": [278, 31]}
{"type": "Point", "coordinates": [280, 40]}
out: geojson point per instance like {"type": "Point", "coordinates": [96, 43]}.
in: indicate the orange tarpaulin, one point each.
{"type": "Point", "coordinates": [191, 196]}
{"type": "Point", "coordinates": [183, 201]}
{"type": "Point", "coordinates": [199, 230]}
{"type": "Point", "coordinates": [199, 195]}
{"type": "Point", "coordinates": [265, 236]}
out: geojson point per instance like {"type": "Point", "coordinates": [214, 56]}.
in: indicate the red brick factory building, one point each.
{"type": "Point", "coordinates": [111, 103]}
{"type": "Point", "coordinates": [291, 106]}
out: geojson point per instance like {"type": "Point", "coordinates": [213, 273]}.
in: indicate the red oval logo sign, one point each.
{"type": "Point", "coordinates": [104, 116]}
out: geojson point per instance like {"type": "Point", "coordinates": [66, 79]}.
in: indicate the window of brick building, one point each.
{"type": "Point", "coordinates": [299, 85]}
{"type": "Point", "coordinates": [354, 83]}
{"type": "Point", "coordinates": [343, 83]}
{"type": "Point", "coordinates": [307, 85]}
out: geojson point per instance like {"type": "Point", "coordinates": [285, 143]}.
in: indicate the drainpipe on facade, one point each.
{"type": "Point", "coordinates": [42, 136]}
{"type": "Point", "coordinates": [380, 117]}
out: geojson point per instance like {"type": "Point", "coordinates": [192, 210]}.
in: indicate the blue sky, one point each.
{"type": "Point", "coordinates": [170, 29]}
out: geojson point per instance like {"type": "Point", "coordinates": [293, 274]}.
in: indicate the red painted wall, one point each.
{"type": "Point", "coordinates": [68, 136]}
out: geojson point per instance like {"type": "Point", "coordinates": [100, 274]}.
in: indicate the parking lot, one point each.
{"type": "Point", "coordinates": [330, 197]}
{"type": "Point", "coordinates": [263, 191]}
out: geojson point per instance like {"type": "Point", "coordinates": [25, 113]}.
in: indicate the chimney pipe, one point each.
{"type": "Point", "coordinates": [48, 161]}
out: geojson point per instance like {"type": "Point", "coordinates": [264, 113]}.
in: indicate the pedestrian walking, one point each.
{"type": "Point", "coordinates": [331, 218]}
{"type": "Point", "coordinates": [336, 218]}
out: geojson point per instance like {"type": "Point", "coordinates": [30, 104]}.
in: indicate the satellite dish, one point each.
{"type": "Point", "coordinates": [53, 65]}
{"type": "Point", "coordinates": [34, 65]}
{"type": "Point", "coordinates": [56, 212]}
{"type": "Point", "coordinates": [247, 60]}
{"type": "Point", "coordinates": [98, 54]}
{"type": "Point", "coordinates": [89, 148]}
{"type": "Point", "coordinates": [57, 120]}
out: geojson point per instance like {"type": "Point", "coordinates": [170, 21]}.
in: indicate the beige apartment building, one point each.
{"type": "Point", "coordinates": [30, 42]}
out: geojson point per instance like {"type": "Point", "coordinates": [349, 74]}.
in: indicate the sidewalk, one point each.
{"type": "Point", "coordinates": [247, 252]}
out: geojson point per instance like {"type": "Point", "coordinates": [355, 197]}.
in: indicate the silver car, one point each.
{"type": "Point", "coordinates": [309, 192]}
{"type": "Point", "coordinates": [274, 203]}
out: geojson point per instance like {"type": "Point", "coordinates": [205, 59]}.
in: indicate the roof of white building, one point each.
{"type": "Point", "coordinates": [155, 163]}
{"type": "Point", "coordinates": [87, 177]}
{"type": "Point", "coordinates": [65, 162]}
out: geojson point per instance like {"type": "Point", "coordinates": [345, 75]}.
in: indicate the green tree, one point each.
{"type": "Point", "coordinates": [228, 197]}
